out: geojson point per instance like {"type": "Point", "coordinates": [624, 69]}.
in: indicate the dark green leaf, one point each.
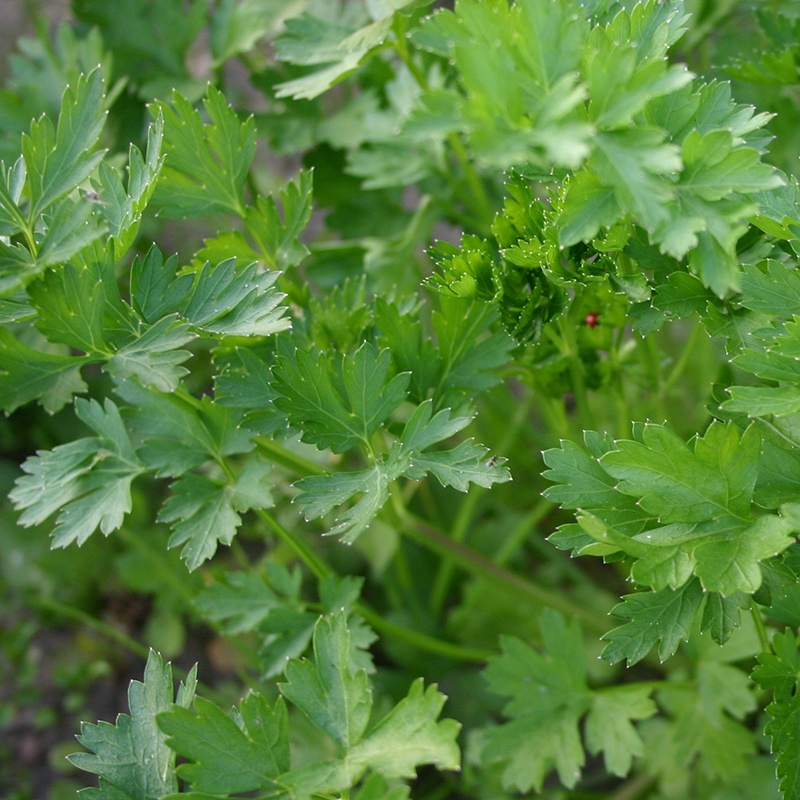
{"type": "Point", "coordinates": [338, 402]}
{"type": "Point", "coordinates": [227, 300]}
{"type": "Point", "coordinates": [206, 164]}
{"type": "Point", "coordinates": [664, 616]}
{"type": "Point", "coordinates": [241, 752]}
{"type": "Point", "coordinates": [27, 375]}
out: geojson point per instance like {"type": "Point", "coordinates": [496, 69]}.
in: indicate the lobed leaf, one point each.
{"type": "Point", "coordinates": [206, 164]}
{"type": "Point", "coordinates": [88, 479]}
{"type": "Point", "coordinates": [132, 757]}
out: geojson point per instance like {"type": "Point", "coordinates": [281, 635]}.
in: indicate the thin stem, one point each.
{"type": "Point", "coordinates": [758, 620]}
{"type": "Point", "coordinates": [457, 534]}
{"type": "Point", "coordinates": [421, 640]}
{"type": "Point", "coordinates": [87, 620]}
{"type": "Point", "coordinates": [522, 531]}
{"type": "Point", "coordinates": [286, 458]}
{"type": "Point", "coordinates": [634, 788]}
{"type": "Point", "coordinates": [476, 187]}
{"type": "Point", "coordinates": [478, 565]}
{"type": "Point", "coordinates": [467, 511]}
{"type": "Point", "coordinates": [569, 347]}
{"type": "Point", "coordinates": [650, 357]}
{"type": "Point", "coordinates": [683, 362]}
{"type": "Point", "coordinates": [305, 553]}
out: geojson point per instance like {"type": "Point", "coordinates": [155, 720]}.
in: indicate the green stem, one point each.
{"type": "Point", "coordinates": [421, 640]}
{"type": "Point", "coordinates": [87, 620]}
{"type": "Point", "coordinates": [304, 552]}
{"type": "Point", "coordinates": [522, 531]}
{"type": "Point", "coordinates": [477, 190]}
{"type": "Point", "coordinates": [286, 458]}
{"type": "Point", "coordinates": [457, 534]}
{"type": "Point", "coordinates": [382, 625]}
{"type": "Point", "coordinates": [467, 510]}
{"type": "Point", "coordinates": [683, 362]}
{"type": "Point", "coordinates": [569, 347]}
{"type": "Point", "coordinates": [758, 620]}
{"type": "Point", "coordinates": [650, 356]}
{"type": "Point", "coordinates": [482, 567]}
{"type": "Point", "coordinates": [636, 787]}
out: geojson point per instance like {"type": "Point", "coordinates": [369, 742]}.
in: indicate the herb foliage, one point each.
{"type": "Point", "coordinates": [537, 239]}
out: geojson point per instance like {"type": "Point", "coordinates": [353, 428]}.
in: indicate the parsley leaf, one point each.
{"type": "Point", "coordinates": [241, 752]}
{"type": "Point", "coordinates": [663, 616]}
{"type": "Point", "coordinates": [549, 696]}
{"type": "Point", "coordinates": [335, 697]}
{"type": "Point", "coordinates": [204, 512]}
{"type": "Point", "coordinates": [132, 758]}
{"type": "Point", "coordinates": [338, 402]}
{"type": "Point", "coordinates": [59, 160]}
{"type": "Point", "coordinates": [464, 464]}
{"type": "Point", "coordinates": [684, 509]}
{"type": "Point", "coordinates": [779, 670]}
{"type": "Point", "coordinates": [27, 374]}
{"type": "Point", "coordinates": [88, 479]}
{"type": "Point", "coordinates": [206, 164]}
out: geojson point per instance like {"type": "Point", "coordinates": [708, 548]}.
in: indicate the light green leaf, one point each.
{"type": "Point", "coordinates": [60, 159]}
{"type": "Point", "coordinates": [636, 163]}
{"type": "Point", "coordinates": [203, 512]}
{"type": "Point", "coordinates": [237, 25]}
{"type": "Point", "coordinates": [609, 727]}
{"type": "Point", "coordinates": [337, 48]}
{"type": "Point", "coordinates": [227, 300]}
{"type": "Point", "coordinates": [763, 401]}
{"type": "Point", "coordinates": [713, 168]}
{"type": "Point", "coordinates": [132, 757]}
{"type": "Point", "coordinates": [410, 735]}
{"type": "Point", "coordinates": [549, 696]}
{"type": "Point", "coordinates": [88, 479]}
{"type": "Point", "coordinates": [335, 699]}
{"type": "Point", "coordinates": [732, 565]}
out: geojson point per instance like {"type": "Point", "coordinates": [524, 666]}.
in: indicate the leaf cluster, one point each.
{"type": "Point", "coordinates": [528, 237]}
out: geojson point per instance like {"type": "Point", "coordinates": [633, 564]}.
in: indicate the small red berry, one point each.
{"type": "Point", "coordinates": [592, 319]}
